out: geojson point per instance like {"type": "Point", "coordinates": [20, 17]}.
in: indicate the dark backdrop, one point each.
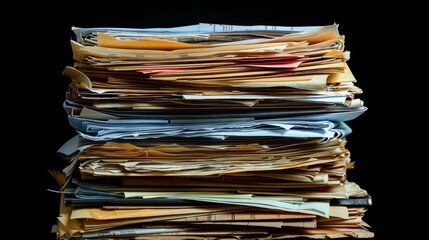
{"type": "Point", "coordinates": [364, 30]}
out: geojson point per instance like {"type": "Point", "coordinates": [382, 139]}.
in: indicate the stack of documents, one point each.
{"type": "Point", "coordinates": [210, 132]}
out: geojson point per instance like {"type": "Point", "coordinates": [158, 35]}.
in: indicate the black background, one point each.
{"type": "Point", "coordinates": [365, 31]}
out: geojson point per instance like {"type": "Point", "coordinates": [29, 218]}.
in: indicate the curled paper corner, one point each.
{"type": "Point", "coordinates": [77, 77]}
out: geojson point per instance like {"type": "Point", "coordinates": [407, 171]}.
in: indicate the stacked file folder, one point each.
{"type": "Point", "coordinates": [210, 132]}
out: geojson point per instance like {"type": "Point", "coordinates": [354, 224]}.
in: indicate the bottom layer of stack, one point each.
{"type": "Point", "coordinates": [229, 189]}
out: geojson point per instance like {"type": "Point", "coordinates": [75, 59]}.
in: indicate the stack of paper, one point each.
{"type": "Point", "coordinates": [210, 132]}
